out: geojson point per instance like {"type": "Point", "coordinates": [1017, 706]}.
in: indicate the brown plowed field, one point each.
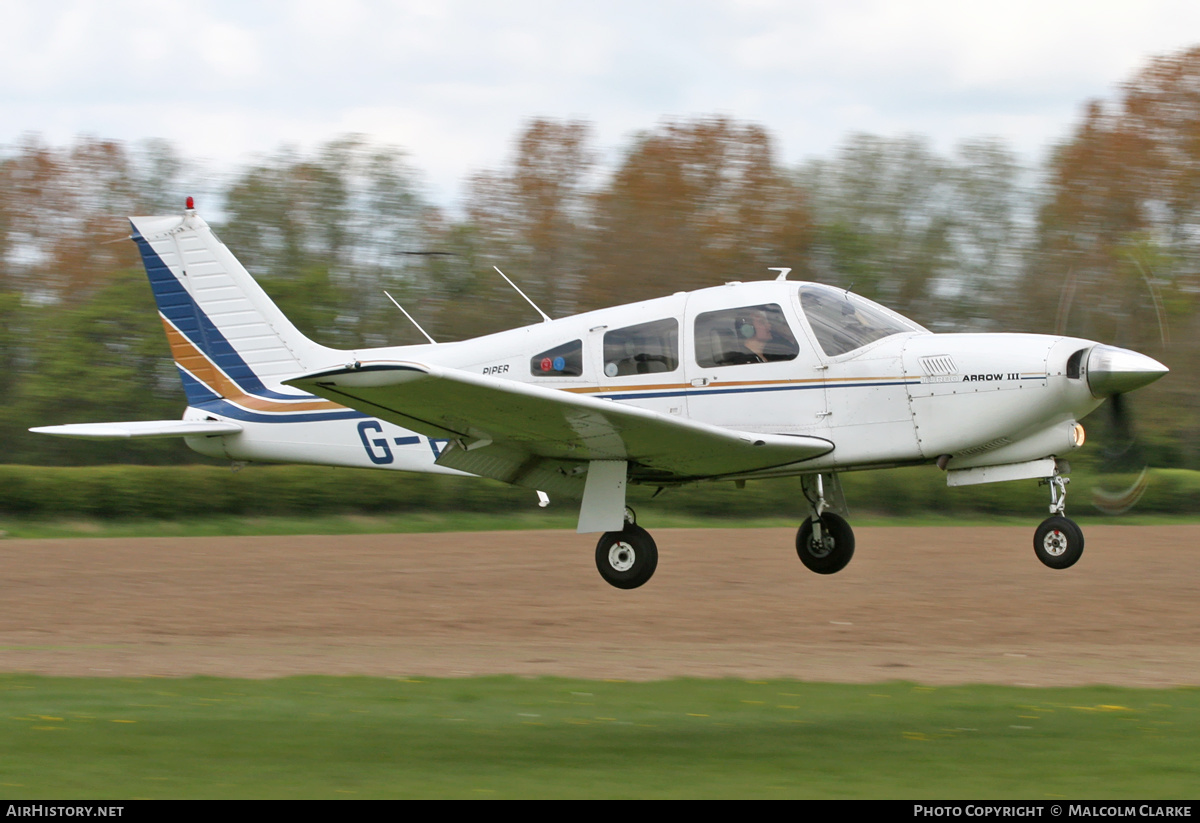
{"type": "Point", "coordinates": [940, 606]}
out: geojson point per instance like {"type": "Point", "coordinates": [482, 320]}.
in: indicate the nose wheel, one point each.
{"type": "Point", "coordinates": [1058, 541]}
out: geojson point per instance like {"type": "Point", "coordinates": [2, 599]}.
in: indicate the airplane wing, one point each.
{"type": "Point", "coordinates": [543, 438]}
{"type": "Point", "coordinates": [141, 428]}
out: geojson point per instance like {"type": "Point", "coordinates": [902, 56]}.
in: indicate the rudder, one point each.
{"type": "Point", "coordinates": [227, 337]}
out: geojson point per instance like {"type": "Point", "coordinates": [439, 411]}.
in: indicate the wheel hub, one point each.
{"type": "Point", "coordinates": [820, 548]}
{"type": "Point", "coordinates": [1055, 543]}
{"type": "Point", "coordinates": [621, 557]}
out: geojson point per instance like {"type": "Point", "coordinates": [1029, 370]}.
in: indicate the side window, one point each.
{"type": "Point", "coordinates": [751, 334]}
{"type": "Point", "coordinates": [648, 348]}
{"type": "Point", "coordinates": [561, 361]}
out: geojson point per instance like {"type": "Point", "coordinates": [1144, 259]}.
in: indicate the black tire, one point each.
{"type": "Point", "coordinates": [1058, 542]}
{"type": "Point", "coordinates": [628, 558]}
{"type": "Point", "coordinates": [837, 544]}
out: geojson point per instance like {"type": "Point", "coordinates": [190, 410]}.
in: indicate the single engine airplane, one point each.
{"type": "Point", "coordinates": [735, 382]}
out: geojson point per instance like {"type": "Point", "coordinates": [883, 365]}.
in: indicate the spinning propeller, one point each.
{"type": "Point", "coordinates": [1112, 372]}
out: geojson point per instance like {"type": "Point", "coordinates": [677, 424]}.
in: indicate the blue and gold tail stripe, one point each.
{"type": "Point", "coordinates": [211, 390]}
{"type": "Point", "coordinates": [191, 322]}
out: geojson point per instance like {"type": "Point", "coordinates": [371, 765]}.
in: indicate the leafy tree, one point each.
{"type": "Point", "coordinates": [58, 210]}
{"type": "Point", "coordinates": [884, 212]}
{"type": "Point", "coordinates": [532, 217]}
{"type": "Point", "coordinates": [1118, 255]}
{"type": "Point", "coordinates": [328, 233]}
{"type": "Point", "coordinates": [105, 359]}
{"type": "Point", "coordinates": [694, 204]}
{"type": "Point", "coordinates": [69, 280]}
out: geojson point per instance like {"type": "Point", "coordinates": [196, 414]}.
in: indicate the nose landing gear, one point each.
{"type": "Point", "coordinates": [1058, 541]}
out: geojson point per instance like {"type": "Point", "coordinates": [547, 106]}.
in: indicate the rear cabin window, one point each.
{"type": "Point", "coordinates": [561, 361]}
{"type": "Point", "coordinates": [751, 334]}
{"type": "Point", "coordinates": [647, 348]}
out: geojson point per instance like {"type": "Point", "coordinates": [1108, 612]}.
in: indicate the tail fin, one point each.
{"type": "Point", "coordinates": [228, 339]}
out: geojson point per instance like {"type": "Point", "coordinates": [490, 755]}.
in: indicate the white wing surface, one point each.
{"type": "Point", "coordinates": [542, 438]}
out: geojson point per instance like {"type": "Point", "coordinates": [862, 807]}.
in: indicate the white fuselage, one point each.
{"type": "Point", "coordinates": [909, 397]}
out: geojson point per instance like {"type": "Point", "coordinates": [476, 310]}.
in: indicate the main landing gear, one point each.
{"type": "Point", "coordinates": [825, 542]}
{"type": "Point", "coordinates": [1058, 541]}
{"type": "Point", "coordinates": [628, 558]}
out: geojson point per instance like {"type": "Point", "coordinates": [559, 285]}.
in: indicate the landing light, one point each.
{"type": "Point", "coordinates": [1080, 435]}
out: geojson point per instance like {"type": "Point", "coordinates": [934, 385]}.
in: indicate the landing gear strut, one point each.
{"type": "Point", "coordinates": [825, 541]}
{"type": "Point", "coordinates": [628, 558]}
{"type": "Point", "coordinates": [1058, 541]}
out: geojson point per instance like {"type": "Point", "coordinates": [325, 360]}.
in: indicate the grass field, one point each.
{"type": "Point", "coordinates": [331, 737]}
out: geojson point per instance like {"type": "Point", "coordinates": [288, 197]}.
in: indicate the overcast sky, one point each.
{"type": "Point", "coordinates": [452, 81]}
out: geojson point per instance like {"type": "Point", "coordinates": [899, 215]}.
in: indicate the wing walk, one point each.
{"type": "Point", "coordinates": [521, 433]}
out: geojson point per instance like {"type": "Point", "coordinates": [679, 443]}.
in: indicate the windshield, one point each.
{"type": "Point", "coordinates": [844, 322]}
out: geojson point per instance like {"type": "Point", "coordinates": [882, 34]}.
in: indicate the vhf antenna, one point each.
{"type": "Point", "coordinates": [410, 319]}
{"type": "Point", "coordinates": [545, 317]}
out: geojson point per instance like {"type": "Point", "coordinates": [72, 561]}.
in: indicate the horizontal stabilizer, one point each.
{"type": "Point", "coordinates": [141, 428]}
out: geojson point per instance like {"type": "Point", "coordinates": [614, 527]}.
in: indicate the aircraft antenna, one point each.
{"type": "Point", "coordinates": [545, 317]}
{"type": "Point", "coordinates": [783, 271]}
{"type": "Point", "coordinates": [410, 319]}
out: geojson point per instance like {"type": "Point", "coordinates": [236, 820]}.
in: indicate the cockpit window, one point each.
{"type": "Point", "coordinates": [844, 322]}
{"type": "Point", "coordinates": [751, 334]}
{"type": "Point", "coordinates": [647, 348]}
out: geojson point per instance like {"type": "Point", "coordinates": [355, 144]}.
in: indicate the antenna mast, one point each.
{"type": "Point", "coordinates": [410, 318]}
{"type": "Point", "coordinates": [545, 317]}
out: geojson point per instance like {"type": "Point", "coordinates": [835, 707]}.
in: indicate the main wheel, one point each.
{"type": "Point", "coordinates": [1058, 542]}
{"type": "Point", "coordinates": [833, 551]}
{"type": "Point", "coordinates": [628, 558]}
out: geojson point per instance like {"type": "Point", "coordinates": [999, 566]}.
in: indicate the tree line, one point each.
{"type": "Point", "coordinates": [1100, 241]}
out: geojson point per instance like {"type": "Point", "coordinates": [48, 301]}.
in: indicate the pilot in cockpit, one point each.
{"type": "Point", "coordinates": [759, 339]}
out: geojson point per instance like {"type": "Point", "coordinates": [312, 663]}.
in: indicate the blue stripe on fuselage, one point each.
{"type": "Point", "coordinates": [705, 392]}
{"type": "Point", "coordinates": [235, 412]}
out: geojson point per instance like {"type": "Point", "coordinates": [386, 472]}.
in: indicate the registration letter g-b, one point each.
{"type": "Point", "coordinates": [377, 448]}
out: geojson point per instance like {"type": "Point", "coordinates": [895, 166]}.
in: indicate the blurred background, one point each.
{"type": "Point", "coordinates": [1038, 172]}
